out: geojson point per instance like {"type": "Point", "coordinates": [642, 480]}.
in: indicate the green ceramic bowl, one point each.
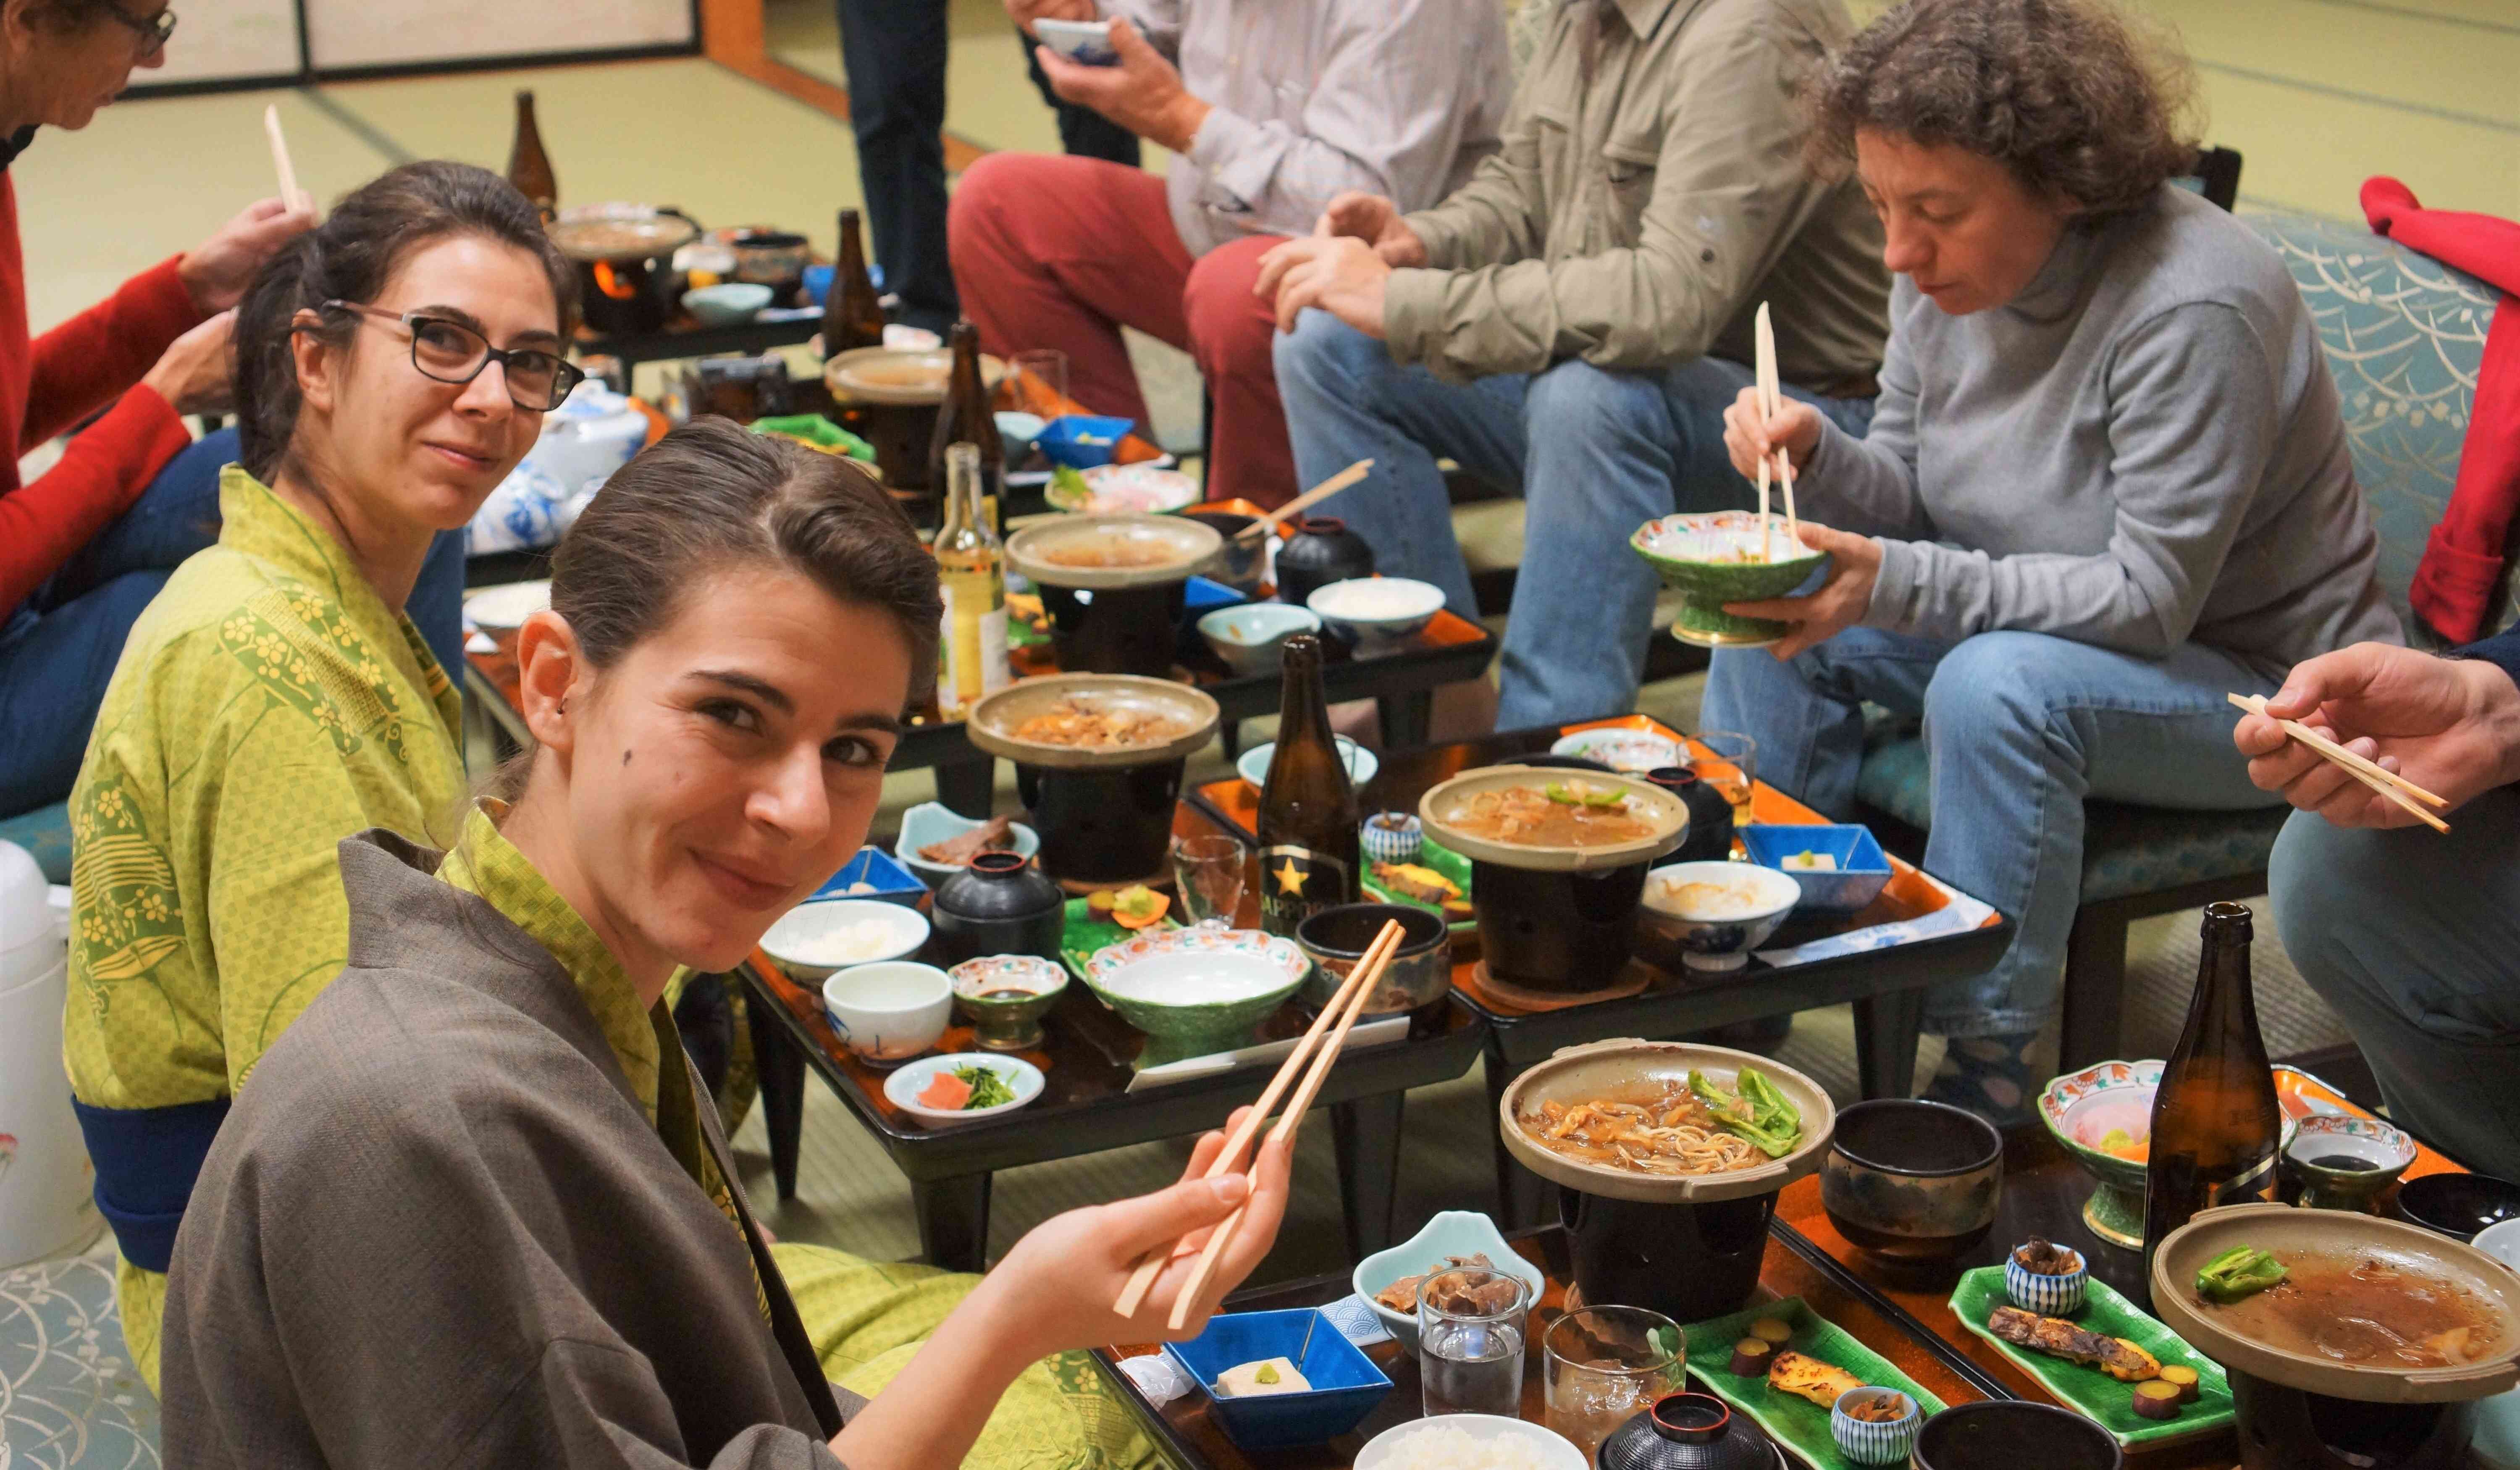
{"type": "Point", "coordinates": [2081, 1108]}
{"type": "Point", "coordinates": [1197, 991]}
{"type": "Point", "coordinates": [1702, 557]}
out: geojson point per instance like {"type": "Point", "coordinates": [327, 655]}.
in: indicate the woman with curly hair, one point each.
{"type": "Point", "coordinates": [2107, 481]}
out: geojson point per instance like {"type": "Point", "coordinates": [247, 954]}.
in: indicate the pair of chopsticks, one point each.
{"type": "Point", "coordinates": [1772, 403]}
{"type": "Point", "coordinates": [1306, 501]}
{"type": "Point", "coordinates": [2372, 774]}
{"type": "Point", "coordinates": [1343, 1009]}
{"type": "Point", "coordinates": [290, 194]}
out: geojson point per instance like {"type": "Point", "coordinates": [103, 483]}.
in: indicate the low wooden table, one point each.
{"type": "Point", "coordinates": [1886, 986]}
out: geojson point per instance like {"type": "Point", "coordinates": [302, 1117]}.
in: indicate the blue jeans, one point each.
{"type": "Point", "coordinates": [2410, 935]}
{"type": "Point", "coordinates": [1596, 453]}
{"type": "Point", "coordinates": [2020, 727]}
{"type": "Point", "coordinates": [58, 649]}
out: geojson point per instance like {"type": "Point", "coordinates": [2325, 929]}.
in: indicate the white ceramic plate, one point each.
{"type": "Point", "coordinates": [902, 1088]}
{"type": "Point", "coordinates": [508, 606]}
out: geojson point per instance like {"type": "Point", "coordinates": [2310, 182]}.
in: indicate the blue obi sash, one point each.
{"type": "Point", "coordinates": [147, 1160]}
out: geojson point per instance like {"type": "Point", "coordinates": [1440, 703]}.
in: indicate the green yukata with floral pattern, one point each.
{"type": "Point", "coordinates": [868, 1318]}
{"type": "Point", "coordinates": [267, 705]}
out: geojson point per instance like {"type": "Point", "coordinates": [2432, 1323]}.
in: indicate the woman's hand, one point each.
{"type": "Point", "coordinates": [217, 274]}
{"type": "Point", "coordinates": [1751, 437]}
{"type": "Point", "coordinates": [1377, 222]}
{"type": "Point", "coordinates": [1838, 604]}
{"type": "Point", "coordinates": [1057, 1285]}
{"type": "Point", "coordinates": [196, 372]}
{"type": "Point", "coordinates": [2452, 726]}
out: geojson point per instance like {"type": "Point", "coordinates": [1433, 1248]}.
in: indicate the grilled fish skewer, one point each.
{"type": "Point", "coordinates": [2115, 1356]}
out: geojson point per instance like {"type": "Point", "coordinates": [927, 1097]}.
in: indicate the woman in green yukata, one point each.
{"type": "Point", "coordinates": [392, 366]}
{"type": "Point", "coordinates": [473, 1209]}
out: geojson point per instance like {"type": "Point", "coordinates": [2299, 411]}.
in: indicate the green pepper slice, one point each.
{"type": "Point", "coordinates": [2238, 1274]}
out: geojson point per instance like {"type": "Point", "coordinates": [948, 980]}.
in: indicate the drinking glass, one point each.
{"type": "Point", "coordinates": [1730, 767]}
{"type": "Point", "coordinates": [1470, 1361]}
{"type": "Point", "coordinates": [1602, 1366]}
{"type": "Point", "coordinates": [1047, 367]}
{"type": "Point", "coordinates": [1210, 874]}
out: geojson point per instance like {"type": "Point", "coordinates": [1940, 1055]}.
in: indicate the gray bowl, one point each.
{"type": "Point", "coordinates": [1336, 939]}
{"type": "Point", "coordinates": [1913, 1182]}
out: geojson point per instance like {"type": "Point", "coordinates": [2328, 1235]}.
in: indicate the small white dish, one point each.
{"type": "Point", "coordinates": [1361, 762]}
{"type": "Point", "coordinates": [1553, 1451]}
{"type": "Point", "coordinates": [1711, 939]}
{"type": "Point", "coordinates": [932, 821]}
{"type": "Point", "coordinates": [817, 937]}
{"type": "Point", "coordinates": [1251, 637]}
{"type": "Point", "coordinates": [1451, 1233]}
{"type": "Point", "coordinates": [902, 1088]}
{"type": "Point", "coordinates": [1377, 610]}
{"type": "Point", "coordinates": [508, 604]}
{"type": "Point", "coordinates": [1634, 751]}
{"type": "Point", "coordinates": [1087, 43]}
{"type": "Point", "coordinates": [888, 1013]}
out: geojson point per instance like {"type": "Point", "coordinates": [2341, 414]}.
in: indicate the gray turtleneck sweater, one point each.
{"type": "Point", "coordinates": [2144, 448]}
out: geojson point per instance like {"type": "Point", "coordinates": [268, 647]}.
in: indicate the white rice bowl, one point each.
{"type": "Point", "coordinates": [1469, 1441]}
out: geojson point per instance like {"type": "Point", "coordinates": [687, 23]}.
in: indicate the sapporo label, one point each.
{"type": "Point", "coordinates": [1295, 882]}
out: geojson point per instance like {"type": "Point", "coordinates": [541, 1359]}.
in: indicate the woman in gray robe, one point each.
{"type": "Point", "coordinates": [471, 1208]}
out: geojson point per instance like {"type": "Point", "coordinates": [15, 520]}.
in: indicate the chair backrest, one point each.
{"type": "Point", "coordinates": [2405, 338]}
{"type": "Point", "coordinates": [2217, 177]}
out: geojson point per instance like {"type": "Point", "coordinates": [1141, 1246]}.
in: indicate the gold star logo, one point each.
{"type": "Point", "coordinates": [1290, 878]}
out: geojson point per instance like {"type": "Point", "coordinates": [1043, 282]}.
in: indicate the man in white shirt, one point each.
{"type": "Point", "coordinates": [1274, 108]}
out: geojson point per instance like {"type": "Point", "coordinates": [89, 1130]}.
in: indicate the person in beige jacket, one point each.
{"type": "Point", "coordinates": [1573, 321]}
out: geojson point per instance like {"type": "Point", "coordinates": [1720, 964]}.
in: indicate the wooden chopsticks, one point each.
{"type": "Point", "coordinates": [1306, 501]}
{"type": "Point", "coordinates": [290, 194]}
{"type": "Point", "coordinates": [1335, 1020]}
{"type": "Point", "coordinates": [2372, 774]}
{"type": "Point", "coordinates": [1771, 402]}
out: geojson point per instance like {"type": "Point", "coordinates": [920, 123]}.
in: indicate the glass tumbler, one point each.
{"type": "Point", "coordinates": [1209, 872]}
{"type": "Point", "coordinates": [1471, 1326]}
{"type": "Point", "coordinates": [1730, 767]}
{"type": "Point", "coordinates": [1602, 1366]}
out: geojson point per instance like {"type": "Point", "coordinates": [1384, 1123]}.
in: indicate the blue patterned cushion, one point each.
{"type": "Point", "coordinates": [69, 1399]}
{"type": "Point", "coordinates": [45, 833]}
{"type": "Point", "coordinates": [2405, 338]}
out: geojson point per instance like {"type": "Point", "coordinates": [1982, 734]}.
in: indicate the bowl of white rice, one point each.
{"type": "Point", "coordinates": [1377, 610]}
{"type": "Point", "coordinates": [816, 938]}
{"type": "Point", "coordinates": [1469, 1441]}
{"type": "Point", "coordinates": [1716, 912]}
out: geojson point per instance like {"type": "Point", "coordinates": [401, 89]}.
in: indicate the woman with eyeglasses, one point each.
{"type": "Point", "coordinates": [85, 545]}
{"type": "Point", "coordinates": [391, 367]}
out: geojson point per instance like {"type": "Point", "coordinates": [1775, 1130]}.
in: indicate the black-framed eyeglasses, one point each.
{"type": "Point", "coordinates": [449, 351]}
{"type": "Point", "coordinates": [154, 30]}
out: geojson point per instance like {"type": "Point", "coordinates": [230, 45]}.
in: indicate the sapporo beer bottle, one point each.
{"type": "Point", "coordinates": [971, 565]}
{"type": "Point", "coordinates": [1308, 809]}
{"type": "Point", "coordinates": [967, 416]}
{"type": "Point", "coordinates": [852, 316]}
{"type": "Point", "coordinates": [2215, 1119]}
{"type": "Point", "coordinates": [529, 168]}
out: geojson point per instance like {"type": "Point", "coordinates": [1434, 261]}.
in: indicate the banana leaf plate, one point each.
{"type": "Point", "coordinates": [1443, 860]}
{"type": "Point", "coordinates": [1796, 1423]}
{"type": "Point", "coordinates": [2083, 1386]}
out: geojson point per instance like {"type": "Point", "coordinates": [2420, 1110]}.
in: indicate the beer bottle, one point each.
{"type": "Point", "coordinates": [967, 416]}
{"type": "Point", "coordinates": [971, 565]}
{"type": "Point", "coordinates": [1308, 809]}
{"type": "Point", "coordinates": [529, 168]}
{"type": "Point", "coordinates": [2215, 1119]}
{"type": "Point", "coordinates": [852, 317]}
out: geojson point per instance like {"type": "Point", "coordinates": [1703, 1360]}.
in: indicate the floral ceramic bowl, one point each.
{"type": "Point", "coordinates": [1712, 559]}
{"type": "Point", "coordinates": [2082, 1109]}
{"type": "Point", "coordinates": [1634, 751]}
{"type": "Point", "coordinates": [1195, 991]}
{"type": "Point", "coordinates": [1006, 996]}
{"type": "Point", "coordinates": [2345, 1161]}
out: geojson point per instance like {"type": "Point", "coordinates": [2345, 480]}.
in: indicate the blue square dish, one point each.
{"type": "Point", "coordinates": [894, 883]}
{"type": "Point", "coordinates": [1346, 1385]}
{"type": "Point", "coordinates": [1081, 441]}
{"type": "Point", "coordinates": [1863, 869]}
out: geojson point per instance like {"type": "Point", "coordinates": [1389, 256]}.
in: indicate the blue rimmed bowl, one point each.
{"type": "Point", "coordinates": [1345, 1384]}
{"type": "Point", "coordinates": [2045, 1293]}
{"type": "Point", "coordinates": [1868, 1441]}
{"type": "Point", "coordinates": [1451, 1233]}
{"type": "Point", "coordinates": [1863, 869]}
{"type": "Point", "coordinates": [1251, 637]}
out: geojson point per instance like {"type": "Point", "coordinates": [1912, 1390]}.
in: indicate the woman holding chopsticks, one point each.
{"type": "Point", "coordinates": [2105, 485]}
{"type": "Point", "coordinates": [509, 1221]}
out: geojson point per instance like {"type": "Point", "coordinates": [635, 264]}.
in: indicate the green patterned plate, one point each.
{"type": "Point", "coordinates": [2083, 1388]}
{"type": "Point", "coordinates": [1797, 1424]}
{"type": "Point", "coordinates": [1442, 858]}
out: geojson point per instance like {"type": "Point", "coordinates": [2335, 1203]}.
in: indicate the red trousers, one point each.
{"type": "Point", "coordinates": [1054, 251]}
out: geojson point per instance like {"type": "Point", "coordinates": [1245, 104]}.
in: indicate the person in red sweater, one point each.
{"type": "Point", "coordinates": [85, 545]}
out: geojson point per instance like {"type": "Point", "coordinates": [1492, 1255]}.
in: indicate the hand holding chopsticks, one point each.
{"type": "Point", "coordinates": [1314, 1054]}
{"type": "Point", "coordinates": [2380, 778]}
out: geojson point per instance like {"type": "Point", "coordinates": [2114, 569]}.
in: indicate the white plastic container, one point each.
{"type": "Point", "coordinates": [46, 1208]}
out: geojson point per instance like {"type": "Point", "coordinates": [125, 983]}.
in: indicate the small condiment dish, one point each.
{"type": "Point", "coordinates": [1006, 996]}
{"type": "Point", "coordinates": [1875, 1441]}
{"type": "Point", "coordinates": [888, 1013]}
{"type": "Point", "coordinates": [1252, 638]}
{"type": "Point", "coordinates": [2345, 1161]}
{"type": "Point", "coordinates": [902, 1088]}
{"type": "Point", "coordinates": [1861, 871]}
{"type": "Point", "coordinates": [1392, 838]}
{"type": "Point", "coordinates": [1451, 1233]}
{"type": "Point", "coordinates": [2046, 1293]}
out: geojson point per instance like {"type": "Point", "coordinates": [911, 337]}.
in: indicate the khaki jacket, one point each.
{"type": "Point", "coordinates": [1639, 222]}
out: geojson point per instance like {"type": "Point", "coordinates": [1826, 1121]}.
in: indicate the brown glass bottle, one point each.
{"type": "Point", "coordinates": [852, 317]}
{"type": "Point", "coordinates": [529, 168]}
{"type": "Point", "coordinates": [967, 416]}
{"type": "Point", "coordinates": [2215, 1119]}
{"type": "Point", "coordinates": [1308, 808]}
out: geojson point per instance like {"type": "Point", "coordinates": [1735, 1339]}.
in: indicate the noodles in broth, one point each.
{"type": "Point", "coordinates": [1660, 1129]}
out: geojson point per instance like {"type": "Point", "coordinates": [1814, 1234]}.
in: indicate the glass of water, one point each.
{"type": "Point", "coordinates": [1210, 874]}
{"type": "Point", "coordinates": [1470, 1326]}
{"type": "Point", "coordinates": [1602, 1366]}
